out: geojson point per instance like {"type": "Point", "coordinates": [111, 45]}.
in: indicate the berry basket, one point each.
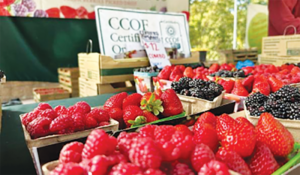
{"type": "Point", "coordinates": [225, 78]}
{"type": "Point", "coordinates": [239, 101]}
{"type": "Point", "coordinates": [53, 139]}
{"type": "Point", "coordinates": [193, 105]}
{"type": "Point", "coordinates": [144, 82]}
{"type": "Point", "coordinates": [161, 84]}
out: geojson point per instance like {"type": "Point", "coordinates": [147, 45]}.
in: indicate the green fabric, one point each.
{"type": "Point", "coordinates": [14, 154]}
{"type": "Point", "coordinates": [31, 49]}
{"type": "Point", "coordinates": [119, 71]}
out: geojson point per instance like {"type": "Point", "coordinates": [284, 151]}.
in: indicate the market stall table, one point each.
{"type": "Point", "coordinates": [14, 154]}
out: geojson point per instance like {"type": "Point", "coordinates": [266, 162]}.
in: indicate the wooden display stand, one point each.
{"type": "Point", "coordinates": [47, 94]}
{"type": "Point", "coordinates": [68, 79]}
{"type": "Point", "coordinates": [233, 56]}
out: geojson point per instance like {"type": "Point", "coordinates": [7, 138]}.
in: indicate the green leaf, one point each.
{"type": "Point", "coordinates": [152, 97]}
{"type": "Point", "coordinates": [158, 103]}
{"type": "Point", "coordinates": [143, 102]}
{"type": "Point", "coordinates": [148, 108]}
{"type": "Point", "coordinates": [143, 107]}
{"type": "Point", "coordinates": [161, 109]}
{"type": "Point", "coordinates": [155, 112]}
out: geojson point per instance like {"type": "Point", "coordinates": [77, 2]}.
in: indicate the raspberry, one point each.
{"type": "Point", "coordinates": [133, 99]}
{"type": "Point", "coordinates": [148, 131]}
{"type": "Point", "coordinates": [78, 122]}
{"type": "Point", "coordinates": [40, 14]}
{"type": "Point", "coordinates": [28, 117]}
{"type": "Point", "coordinates": [125, 169]}
{"type": "Point", "coordinates": [39, 127]}
{"type": "Point", "coordinates": [124, 142]}
{"type": "Point", "coordinates": [116, 158]}
{"type": "Point", "coordinates": [168, 150]}
{"type": "Point", "coordinates": [30, 4]}
{"type": "Point", "coordinates": [201, 155]}
{"type": "Point", "coordinates": [182, 169]}
{"type": "Point", "coordinates": [98, 143]}
{"type": "Point", "coordinates": [100, 115]}
{"type": "Point", "coordinates": [43, 106]}
{"type": "Point", "coordinates": [164, 132]}
{"type": "Point", "coordinates": [117, 114]}
{"type": "Point", "coordinates": [90, 122]}
{"type": "Point", "coordinates": [86, 108]}
{"type": "Point", "coordinates": [214, 167]}
{"type": "Point", "coordinates": [206, 117]}
{"type": "Point", "coordinates": [153, 172]}
{"type": "Point", "coordinates": [49, 113]}
{"type": "Point", "coordinates": [145, 153]}
{"type": "Point", "coordinates": [69, 169]}
{"type": "Point", "coordinates": [71, 153]}
{"type": "Point", "coordinates": [75, 109]}
{"type": "Point", "coordinates": [184, 129]}
{"type": "Point", "coordinates": [184, 143]}
{"type": "Point", "coordinates": [62, 124]}
{"type": "Point", "coordinates": [98, 165]}
{"type": "Point", "coordinates": [61, 110]}
{"type": "Point", "coordinates": [104, 123]}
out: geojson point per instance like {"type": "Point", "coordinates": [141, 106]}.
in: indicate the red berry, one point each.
{"type": "Point", "coordinates": [184, 129]}
{"type": "Point", "coordinates": [184, 143]}
{"type": "Point", "coordinates": [4, 12]}
{"type": "Point", "coordinates": [91, 15]}
{"type": "Point", "coordinates": [117, 114]}
{"type": "Point", "coordinates": [71, 153]}
{"type": "Point", "coordinates": [68, 12]}
{"type": "Point", "coordinates": [98, 143]}
{"type": "Point", "coordinates": [182, 169]}
{"type": "Point", "coordinates": [115, 101]}
{"type": "Point", "coordinates": [133, 99]}
{"type": "Point", "coordinates": [86, 108]}
{"type": "Point", "coordinates": [98, 165]}
{"type": "Point", "coordinates": [39, 127]}
{"type": "Point", "coordinates": [28, 117]}
{"type": "Point", "coordinates": [100, 115]}
{"type": "Point", "coordinates": [60, 110]}
{"type": "Point", "coordinates": [75, 109]}
{"type": "Point", "coordinates": [206, 117]}
{"type": "Point", "coordinates": [171, 103]}
{"type": "Point", "coordinates": [79, 124]}
{"type": "Point", "coordinates": [5, 3]}
{"type": "Point", "coordinates": [69, 169]}
{"type": "Point", "coordinates": [43, 106]}
{"type": "Point", "coordinates": [148, 131]}
{"type": "Point", "coordinates": [130, 113]}
{"type": "Point", "coordinates": [201, 155]}
{"type": "Point", "coordinates": [81, 12]}
{"type": "Point", "coordinates": [233, 160]}
{"type": "Point", "coordinates": [164, 132]}
{"type": "Point", "coordinates": [125, 169]}
{"type": "Point", "coordinates": [243, 120]}
{"type": "Point", "coordinates": [104, 123]}
{"type": "Point", "coordinates": [206, 134]}
{"type": "Point", "coordinates": [49, 113]}
{"type": "Point", "coordinates": [53, 12]}
{"type": "Point", "coordinates": [145, 153]}
{"type": "Point", "coordinates": [153, 172]}
{"type": "Point", "coordinates": [214, 167]}
{"type": "Point", "coordinates": [62, 124]}
{"type": "Point", "coordinates": [116, 158]}
{"type": "Point", "coordinates": [125, 142]}
{"type": "Point", "coordinates": [168, 150]}
{"type": "Point", "coordinates": [90, 122]}
{"type": "Point", "coordinates": [224, 122]}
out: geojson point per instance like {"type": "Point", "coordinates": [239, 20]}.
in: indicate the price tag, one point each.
{"type": "Point", "coordinates": [155, 49]}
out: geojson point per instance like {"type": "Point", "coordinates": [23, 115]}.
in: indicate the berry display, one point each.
{"type": "Point", "coordinates": [225, 73]}
{"type": "Point", "coordinates": [147, 69]}
{"type": "Point", "coordinates": [20, 10]}
{"type": "Point", "coordinates": [284, 103]}
{"type": "Point", "coordinates": [30, 4]}
{"type": "Point", "coordinates": [197, 88]}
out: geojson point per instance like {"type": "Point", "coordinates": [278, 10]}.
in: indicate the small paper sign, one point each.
{"type": "Point", "coordinates": [155, 49]}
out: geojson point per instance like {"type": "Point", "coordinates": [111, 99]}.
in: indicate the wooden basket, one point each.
{"type": "Point", "coordinates": [193, 105]}
{"type": "Point", "coordinates": [53, 139]}
{"type": "Point", "coordinates": [91, 88]}
{"type": "Point", "coordinates": [56, 94]}
{"type": "Point", "coordinates": [50, 166]}
{"type": "Point", "coordinates": [68, 81]}
{"type": "Point", "coordinates": [73, 91]}
{"type": "Point", "coordinates": [69, 72]}
{"type": "Point", "coordinates": [233, 56]}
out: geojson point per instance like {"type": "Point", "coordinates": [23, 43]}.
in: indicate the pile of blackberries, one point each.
{"type": "Point", "coordinates": [284, 103]}
{"type": "Point", "coordinates": [225, 73]}
{"type": "Point", "coordinates": [147, 69]}
{"type": "Point", "coordinates": [208, 90]}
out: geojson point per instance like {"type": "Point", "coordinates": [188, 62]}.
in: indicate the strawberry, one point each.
{"type": "Point", "coordinates": [98, 165]}
{"type": "Point", "coordinates": [133, 99]}
{"type": "Point", "coordinates": [227, 85]}
{"type": "Point", "coordinates": [152, 103]}
{"type": "Point", "coordinates": [62, 124]}
{"type": "Point", "coordinates": [6, 3]}
{"type": "Point", "coordinates": [68, 12]}
{"type": "Point", "coordinates": [115, 101]}
{"type": "Point", "coordinates": [262, 161]}
{"type": "Point", "coordinates": [91, 15]}
{"type": "Point", "coordinates": [158, 93]}
{"type": "Point", "coordinates": [275, 84]}
{"type": "Point", "coordinates": [53, 12]}
{"type": "Point", "coordinates": [225, 66]}
{"type": "Point", "coordinates": [182, 169]}
{"type": "Point", "coordinates": [176, 74]}
{"type": "Point", "coordinates": [69, 169]}
{"type": "Point", "coordinates": [188, 72]}
{"type": "Point", "coordinates": [248, 82]}
{"type": "Point", "coordinates": [247, 70]}
{"type": "Point", "coordinates": [81, 12]}
{"type": "Point", "coordinates": [201, 155]}
{"type": "Point", "coordinates": [244, 121]}
{"type": "Point", "coordinates": [271, 132]}
{"type": "Point", "coordinates": [240, 138]}
{"type": "Point", "coordinates": [4, 12]}
{"type": "Point", "coordinates": [214, 167]}
{"type": "Point", "coordinates": [198, 76]}
{"type": "Point", "coordinates": [206, 117]}
{"type": "Point", "coordinates": [239, 89]}
{"type": "Point", "coordinates": [171, 103]}
{"type": "Point", "coordinates": [149, 117]}
{"type": "Point", "coordinates": [117, 114]}
{"type": "Point", "coordinates": [233, 160]}
{"type": "Point", "coordinates": [130, 113]}
{"type": "Point", "coordinates": [165, 73]}
{"type": "Point", "coordinates": [224, 123]}
{"type": "Point", "coordinates": [98, 143]}
{"type": "Point", "coordinates": [184, 129]}
{"type": "Point", "coordinates": [71, 152]}
{"type": "Point", "coordinates": [181, 67]}
{"type": "Point", "coordinates": [125, 169]}
{"type": "Point", "coordinates": [39, 127]}
{"type": "Point", "coordinates": [206, 134]}
{"type": "Point", "coordinates": [261, 85]}
{"type": "Point", "coordinates": [145, 153]}
{"type": "Point", "coordinates": [295, 70]}
{"type": "Point", "coordinates": [214, 67]}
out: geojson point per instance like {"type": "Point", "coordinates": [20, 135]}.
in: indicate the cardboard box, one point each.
{"type": "Point", "coordinates": [281, 45]}
{"type": "Point", "coordinates": [277, 60]}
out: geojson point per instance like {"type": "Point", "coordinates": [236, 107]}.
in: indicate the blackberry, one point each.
{"type": "Point", "coordinates": [255, 104]}
{"type": "Point", "coordinates": [185, 92]}
{"type": "Point", "coordinates": [184, 82]}
{"type": "Point", "coordinates": [176, 86]}
{"type": "Point", "coordinates": [197, 83]}
{"type": "Point", "coordinates": [197, 92]}
{"type": "Point", "coordinates": [215, 88]}
{"type": "Point", "coordinates": [226, 73]}
{"type": "Point", "coordinates": [147, 69]}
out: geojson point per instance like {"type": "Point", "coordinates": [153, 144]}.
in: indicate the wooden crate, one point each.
{"type": "Point", "coordinates": [277, 60]}
{"type": "Point", "coordinates": [69, 72]}
{"type": "Point", "coordinates": [91, 88]}
{"type": "Point", "coordinates": [74, 92]}
{"type": "Point", "coordinates": [47, 94]}
{"type": "Point", "coordinates": [233, 56]}
{"type": "Point", "coordinates": [68, 81]}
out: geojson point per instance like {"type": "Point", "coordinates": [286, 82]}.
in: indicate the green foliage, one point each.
{"type": "Point", "coordinates": [211, 24]}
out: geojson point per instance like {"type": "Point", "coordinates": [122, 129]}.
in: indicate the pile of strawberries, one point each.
{"type": "Point", "coordinates": [135, 109]}
{"type": "Point", "coordinates": [44, 120]}
{"type": "Point", "coordinates": [215, 146]}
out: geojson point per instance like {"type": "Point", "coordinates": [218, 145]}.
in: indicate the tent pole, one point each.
{"type": "Point", "coordinates": [235, 25]}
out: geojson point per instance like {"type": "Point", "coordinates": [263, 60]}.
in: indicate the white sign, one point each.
{"type": "Point", "coordinates": [155, 50]}
{"type": "Point", "coordinates": [117, 26]}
